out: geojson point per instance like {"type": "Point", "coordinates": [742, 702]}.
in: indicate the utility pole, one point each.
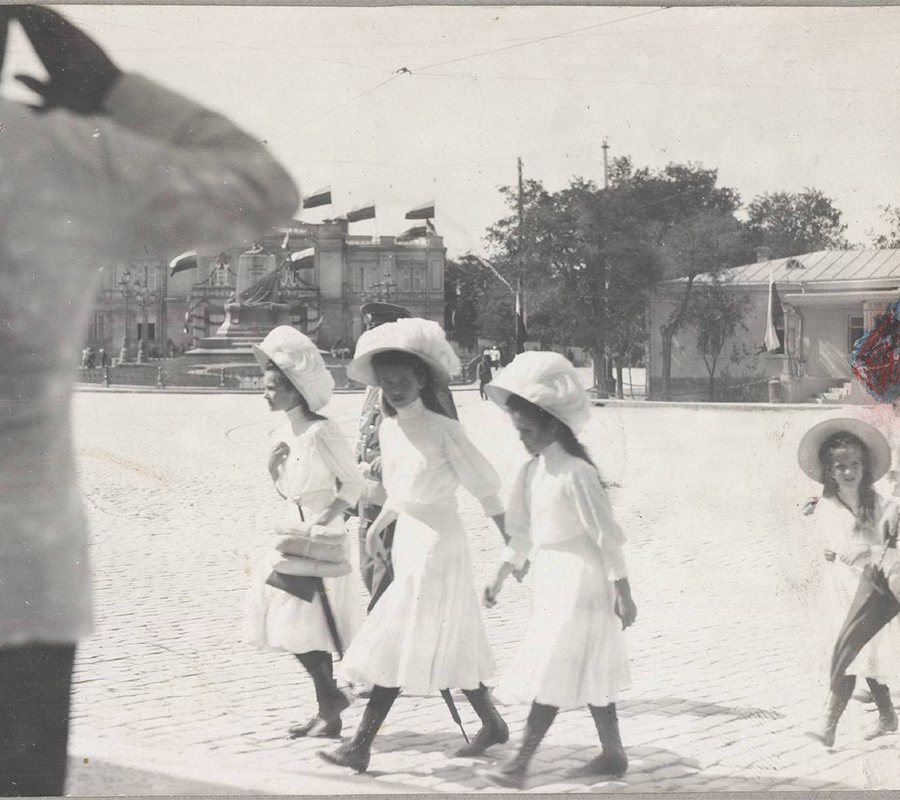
{"type": "Point", "coordinates": [605, 164]}
{"type": "Point", "coordinates": [520, 305]}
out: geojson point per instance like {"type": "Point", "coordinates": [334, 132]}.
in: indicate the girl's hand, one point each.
{"type": "Point", "coordinates": [492, 590]}
{"type": "Point", "coordinates": [374, 544]}
{"type": "Point", "coordinates": [277, 458]}
{"type": "Point", "coordinates": [519, 574]}
{"type": "Point", "coordinates": [625, 608]}
{"type": "Point", "coordinates": [854, 554]}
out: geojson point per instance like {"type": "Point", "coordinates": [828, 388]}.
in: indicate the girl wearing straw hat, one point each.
{"type": "Point", "coordinates": [846, 456]}
{"type": "Point", "coordinates": [316, 474]}
{"type": "Point", "coordinates": [426, 633]}
{"type": "Point", "coordinates": [573, 653]}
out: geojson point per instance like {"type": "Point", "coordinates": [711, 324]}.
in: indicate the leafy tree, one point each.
{"type": "Point", "coordinates": [792, 223]}
{"type": "Point", "coordinates": [891, 239]}
{"type": "Point", "coordinates": [716, 313]}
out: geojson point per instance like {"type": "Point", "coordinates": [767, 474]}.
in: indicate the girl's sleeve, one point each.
{"type": "Point", "coordinates": [518, 519]}
{"type": "Point", "coordinates": [593, 509]}
{"type": "Point", "coordinates": [337, 456]}
{"type": "Point", "coordinates": [473, 469]}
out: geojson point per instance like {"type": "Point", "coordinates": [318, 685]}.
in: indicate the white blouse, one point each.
{"type": "Point", "coordinates": [557, 497]}
{"type": "Point", "coordinates": [319, 454]}
{"type": "Point", "coordinates": [426, 456]}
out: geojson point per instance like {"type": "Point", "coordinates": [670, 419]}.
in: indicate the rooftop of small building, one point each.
{"type": "Point", "coordinates": [823, 266]}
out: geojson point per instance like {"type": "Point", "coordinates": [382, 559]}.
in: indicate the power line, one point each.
{"type": "Point", "coordinates": [337, 108]}
{"type": "Point", "coordinates": [541, 39]}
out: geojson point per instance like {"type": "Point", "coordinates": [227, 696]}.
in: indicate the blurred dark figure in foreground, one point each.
{"type": "Point", "coordinates": [110, 162]}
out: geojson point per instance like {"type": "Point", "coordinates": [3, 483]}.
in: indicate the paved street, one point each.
{"type": "Point", "coordinates": [181, 508]}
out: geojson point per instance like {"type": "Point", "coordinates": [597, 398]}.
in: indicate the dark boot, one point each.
{"type": "Point", "coordinates": [513, 772]}
{"type": "Point", "coordinates": [613, 760]}
{"type": "Point", "coordinates": [331, 700]}
{"type": "Point", "coordinates": [836, 705]}
{"type": "Point", "coordinates": [355, 753]}
{"type": "Point", "coordinates": [887, 716]}
{"type": "Point", "coordinates": [493, 729]}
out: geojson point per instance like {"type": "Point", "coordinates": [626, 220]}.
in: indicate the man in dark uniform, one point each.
{"type": "Point", "coordinates": [377, 574]}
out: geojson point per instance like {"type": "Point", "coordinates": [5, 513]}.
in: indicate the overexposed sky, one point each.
{"type": "Point", "coordinates": [775, 98]}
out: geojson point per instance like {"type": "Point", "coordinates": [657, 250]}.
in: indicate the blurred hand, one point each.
{"type": "Point", "coordinates": [519, 574]}
{"type": "Point", "coordinates": [277, 458]}
{"type": "Point", "coordinates": [625, 608]}
{"type": "Point", "coordinates": [81, 75]}
{"type": "Point", "coordinates": [855, 554]}
{"type": "Point", "coordinates": [375, 468]}
{"type": "Point", "coordinates": [830, 555]}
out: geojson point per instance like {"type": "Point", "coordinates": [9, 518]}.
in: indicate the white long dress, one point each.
{"type": "Point", "coordinates": [426, 633]}
{"type": "Point", "coordinates": [836, 530]}
{"type": "Point", "coordinates": [573, 652]}
{"type": "Point", "coordinates": [274, 619]}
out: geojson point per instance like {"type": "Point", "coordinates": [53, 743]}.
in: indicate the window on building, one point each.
{"type": "Point", "coordinates": [221, 274]}
{"type": "Point", "coordinates": [436, 278]}
{"type": "Point", "coordinates": [418, 279]}
{"type": "Point", "coordinates": [856, 329]}
{"type": "Point", "coordinates": [151, 331]}
{"type": "Point", "coordinates": [98, 328]}
{"type": "Point", "coordinates": [152, 277]}
{"type": "Point", "coordinates": [403, 279]}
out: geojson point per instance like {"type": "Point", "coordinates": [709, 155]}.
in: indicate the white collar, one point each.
{"type": "Point", "coordinates": [414, 409]}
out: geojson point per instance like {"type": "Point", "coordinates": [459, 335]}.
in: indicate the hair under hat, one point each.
{"type": "Point", "coordinates": [423, 338]}
{"type": "Point", "coordinates": [298, 357]}
{"type": "Point", "coordinates": [815, 437]}
{"type": "Point", "coordinates": [549, 381]}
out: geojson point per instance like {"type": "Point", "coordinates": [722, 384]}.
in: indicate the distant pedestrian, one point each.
{"type": "Point", "coordinates": [484, 374]}
{"type": "Point", "coordinates": [116, 164]}
{"type": "Point", "coordinates": [850, 521]}
{"type": "Point", "coordinates": [91, 358]}
{"type": "Point", "coordinates": [426, 633]}
{"type": "Point", "coordinates": [573, 653]}
{"type": "Point", "coordinates": [101, 354]}
{"type": "Point", "coordinates": [317, 476]}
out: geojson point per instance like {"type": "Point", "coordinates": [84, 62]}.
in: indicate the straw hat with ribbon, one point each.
{"type": "Point", "coordinates": [297, 356]}
{"type": "Point", "coordinates": [549, 381]}
{"type": "Point", "coordinates": [420, 337]}
{"type": "Point", "coordinates": [815, 437]}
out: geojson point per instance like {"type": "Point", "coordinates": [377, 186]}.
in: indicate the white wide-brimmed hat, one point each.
{"type": "Point", "coordinates": [549, 381]}
{"type": "Point", "coordinates": [421, 337]}
{"type": "Point", "coordinates": [297, 356]}
{"type": "Point", "coordinates": [814, 438]}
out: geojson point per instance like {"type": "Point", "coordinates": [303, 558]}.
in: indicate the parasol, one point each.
{"type": "Point", "coordinates": [873, 607]}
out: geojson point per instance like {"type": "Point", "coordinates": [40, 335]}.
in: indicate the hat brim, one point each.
{"type": "Point", "coordinates": [499, 395]}
{"type": "Point", "coordinates": [362, 371]}
{"type": "Point", "coordinates": [811, 443]}
{"type": "Point", "coordinates": [263, 358]}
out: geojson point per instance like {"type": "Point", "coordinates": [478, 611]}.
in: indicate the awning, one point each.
{"type": "Point", "coordinates": [824, 299]}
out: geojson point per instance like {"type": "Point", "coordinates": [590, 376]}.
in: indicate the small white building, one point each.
{"type": "Point", "coordinates": [829, 299]}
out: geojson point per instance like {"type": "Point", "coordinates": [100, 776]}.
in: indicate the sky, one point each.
{"type": "Point", "coordinates": [776, 99]}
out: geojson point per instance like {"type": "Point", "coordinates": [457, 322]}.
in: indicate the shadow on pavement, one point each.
{"type": "Point", "coordinates": [96, 777]}
{"type": "Point", "coordinates": [679, 705]}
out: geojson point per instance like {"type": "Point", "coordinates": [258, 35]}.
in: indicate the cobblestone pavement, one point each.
{"type": "Point", "coordinates": [722, 693]}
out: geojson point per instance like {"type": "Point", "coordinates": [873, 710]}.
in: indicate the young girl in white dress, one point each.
{"type": "Point", "coordinates": [847, 456]}
{"type": "Point", "coordinates": [426, 633]}
{"type": "Point", "coordinates": [573, 653]}
{"type": "Point", "coordinates": [316, 474]}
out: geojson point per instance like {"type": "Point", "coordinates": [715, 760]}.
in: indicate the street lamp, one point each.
{"type": "Point", "coordinates": [127, 293]}
{"type": "Point", "coordinates": [145, 296]}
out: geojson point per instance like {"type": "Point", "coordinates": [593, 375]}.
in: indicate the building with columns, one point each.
{"type": "Point", "coordinates": [320, 293]}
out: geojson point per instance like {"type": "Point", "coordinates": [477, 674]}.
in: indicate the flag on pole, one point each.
{"type": "Point", "coordinates": [183, 262]}
{"type": "Point", "coordinates": [358, 214]}
{"type": "Point", "coordinates": [521, 333]}
{"type": "Point", "coordinates": [424, 211]}
{"type": "Point", "coordinates": [286, 241]}
{"type": "Point", "coordinates": [320, 197]}
{"type": "Point", "coordinates": [774, 315]}
{"type": "Point", "coordinates": [304, 259]}
{"type": "Point", "coordinates": [418, 232]}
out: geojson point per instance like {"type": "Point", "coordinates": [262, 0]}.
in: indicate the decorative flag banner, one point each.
{"type": "Point", "coordinates": [419, 232]}
{"type": "Point", "coordinates": [320, 197]}
{"type": "Point", "coordinates": [358, 214]}
{"type": "Point", "coordinates": [774, 314]}
{"type": "Point", "coordinates": [304, 259]}
{"type": "Point", "coordinates": [183, 262]}
{"type": "Point", "coordinates": [521, 333]}
{"type": "Point", "coordinates": [424, 211]}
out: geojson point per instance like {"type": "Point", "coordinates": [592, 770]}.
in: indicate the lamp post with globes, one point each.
{"type": "Point", "coordinates": [145, 295]}
{"type": "Point", "coordinates": [127, 292]}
